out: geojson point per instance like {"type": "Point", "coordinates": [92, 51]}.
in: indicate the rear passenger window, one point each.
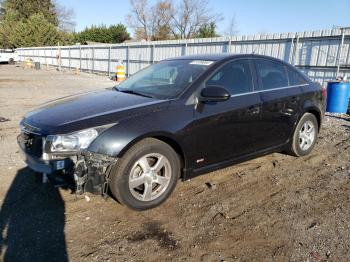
{"type": "Point", "coordinates": [294, 77]}
{"type": "Point", "coordinates": [235, 77]}
{"type": "Point", "coordinates": [272, 74]}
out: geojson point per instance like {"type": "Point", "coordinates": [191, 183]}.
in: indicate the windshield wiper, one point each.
{"type": "Point", "coordinates": [133, 92]}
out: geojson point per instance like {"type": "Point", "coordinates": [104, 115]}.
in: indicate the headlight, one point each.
{"type": "Point", "coordinates": [71, 142]}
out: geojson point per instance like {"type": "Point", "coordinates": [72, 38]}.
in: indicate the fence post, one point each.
{"type": "Point", "coordinates": [51, 57]}
{"type": "Point", "coordinates": [153, 47]}
{"type": "Point", "coordinates": [69, 58]}
{"type": "Point", "coordinates": [229, 45]}
{"type": "Point", "coordinates": [291, 51]}
{"type": "Point", "coordinates": [59, 58]}
{"type": "Point", "coordinates": [339, 51]}
{"type": "Point", "coordinates": [109, 61]}
{"type": "Point", "coordinates": [80, 58]}
{"type": "Point", "coordinates": [93, 59]}
{"type": "Point", "coordinates": [296, 50]}
{"type": "Point", "coordinates": [128, 60]}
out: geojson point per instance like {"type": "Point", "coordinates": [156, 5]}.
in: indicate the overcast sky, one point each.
{"type": "Point", "coordinates": [252, 16]}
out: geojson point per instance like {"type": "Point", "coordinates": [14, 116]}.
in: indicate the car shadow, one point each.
{"type": "Point", "coordinates": [32, 221]}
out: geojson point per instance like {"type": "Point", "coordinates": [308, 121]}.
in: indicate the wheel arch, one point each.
{"type": "Point", "coordinates": [164, 137]}
{"type": "Point", "coordinates": [316, 112]}
{"type": "Point", "coordinates": [310, 107]}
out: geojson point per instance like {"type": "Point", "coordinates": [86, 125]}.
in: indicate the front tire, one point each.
{"type": "Point", "coordinates": [305, 136]}
{"type": "Point", "coordinates": [146, 175]}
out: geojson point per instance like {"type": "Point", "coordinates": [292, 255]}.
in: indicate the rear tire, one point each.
{"type": "Point", "coordinates": [304, 136]}
{"type": "Point", "coordinates": [146, 175]}
{"type": "Point", "coordinates": [11, 61]}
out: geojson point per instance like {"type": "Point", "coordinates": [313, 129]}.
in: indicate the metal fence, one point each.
{"type": "Point", "coordinates": [322, 54]}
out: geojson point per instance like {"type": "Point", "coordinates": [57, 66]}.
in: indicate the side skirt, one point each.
{"type": "Point", "coordinates": [191, 173]}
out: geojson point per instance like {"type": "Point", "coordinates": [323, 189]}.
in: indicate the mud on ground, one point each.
{"type": "Point", "coordinates": [274, 208]}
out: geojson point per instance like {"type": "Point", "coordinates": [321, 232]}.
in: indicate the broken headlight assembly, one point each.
{"type": "Point", "coordinates": [68, 144]}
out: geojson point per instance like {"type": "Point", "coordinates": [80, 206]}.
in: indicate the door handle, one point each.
{"type": "Point", "coordinates": [253, 110]}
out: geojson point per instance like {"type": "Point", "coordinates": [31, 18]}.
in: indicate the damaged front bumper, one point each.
{"type": "Point", "coordinates": [85, 172]}
{"type": "Point", "coordinates": [92, 172]}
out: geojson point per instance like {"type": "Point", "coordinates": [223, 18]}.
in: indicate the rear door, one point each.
{"type": "Point", "coordinates": [280, 98]}
{"type": "Point", "coordinates": [228, 129]}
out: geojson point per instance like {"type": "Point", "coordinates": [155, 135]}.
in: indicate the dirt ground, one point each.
{"type": "Point", "coordinates": [274, 208]}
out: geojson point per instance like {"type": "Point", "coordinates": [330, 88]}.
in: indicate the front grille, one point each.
{"type": "Point", "coordinates": [32, 144]}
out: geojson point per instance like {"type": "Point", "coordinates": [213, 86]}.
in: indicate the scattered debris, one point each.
{"type": "Point", "coordinates": [275, 163]}
{"type": "Point", "coordinates": [312, 225]}
{"type": "Point", "coordinates": [4, 119]}
{"type": "Point", "coordinates": [210, 185]}
{"type": "Point", "coordinates": [87, 198]}
{"type": "Point", "coordinates": [315, 255]}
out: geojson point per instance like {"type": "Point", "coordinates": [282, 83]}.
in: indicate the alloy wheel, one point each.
{"type": "Point", "coordinates": [150, 177]}
{"type": "Point", "coordinates": [306, 135]}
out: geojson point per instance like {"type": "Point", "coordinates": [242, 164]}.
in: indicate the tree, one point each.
{"type": "Point", "coordinates": [65, 18]}
{"type": "Point", "coordinates": [232, 28]}
{"type": "Point", "coordinates": [34, 23]}
{"type": "Point", "coordinates": [190, 16]}
{"type": "Point", "coordinates": [103, 34]}
{"type": "Point", "coordinates": [118, 33]}
{"type": "Point", "coordinates": [26, 8]}
{"type": "Point", "coordinates": [8, 23]}
{"type": "Point", "coordinates": [207, 30]}
{"type": "Point", "coordinates": [161, 28]}
{"type": "Point", "coordinates": [165, 20]}
{"type": "Point", "coordinates": [140, 18]}
{"type": "Point", "coordinates": [2, 9]}
{"type": "Point", "coordinates": [36, 31]}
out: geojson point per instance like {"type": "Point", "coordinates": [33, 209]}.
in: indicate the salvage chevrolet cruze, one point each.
{"type": "Point", "coordinates": [175, 119]}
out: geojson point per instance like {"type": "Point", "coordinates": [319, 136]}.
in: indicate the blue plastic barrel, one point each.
{"type": "Point", "coordinates": [338, 94]}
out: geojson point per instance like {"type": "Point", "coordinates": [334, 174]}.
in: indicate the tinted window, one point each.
{"type": "Point", "coordinates": [294, 77]}
{"type": "Point", "coordinates": [272, 74]}
{"type": "Point", "coordinates": [235, 76]}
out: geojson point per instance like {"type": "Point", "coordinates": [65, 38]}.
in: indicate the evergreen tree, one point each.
{"type": "Point", "coordinates": [32, 23]}
{"type": "Point", "coordinates": [26, 8]}
{"type": "Point", "coordinates": [103, 34]}
{"type": "Point", "coordinates": [207, 30]}
{"type": "Point", "coordinates": [36, 31]}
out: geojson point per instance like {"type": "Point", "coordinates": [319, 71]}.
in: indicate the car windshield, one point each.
{"type": "Point", "coordinates": [164, 80]}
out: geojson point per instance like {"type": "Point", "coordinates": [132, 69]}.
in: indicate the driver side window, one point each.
{"type": "Point", "coordinates": [235, 77]}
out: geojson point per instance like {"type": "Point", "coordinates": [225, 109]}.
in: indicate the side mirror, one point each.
{"type": "Point", "coordinates": [214, 94]}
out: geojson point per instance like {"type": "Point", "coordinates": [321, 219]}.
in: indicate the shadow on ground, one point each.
{"type": "Point", "coordinates": [32, 221]}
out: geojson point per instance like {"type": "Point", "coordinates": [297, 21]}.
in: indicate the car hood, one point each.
{"type": "Point", "coordinates": [87, 110]}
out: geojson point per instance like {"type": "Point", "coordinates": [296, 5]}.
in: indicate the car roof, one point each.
{"type": "Point", "coordinates": [222, 56]}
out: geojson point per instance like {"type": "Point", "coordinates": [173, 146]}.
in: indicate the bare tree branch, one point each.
{"type": "Point", "coordinates": [232, 27]}
{"type": "Point", "coordinates": [140, 17]}
{"type": "Point", "coordinates": [191, 15]}
{"type": "Point", "coordinates": [166, 20]}
{"type": "Point", "coordinates": [65, 17]}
